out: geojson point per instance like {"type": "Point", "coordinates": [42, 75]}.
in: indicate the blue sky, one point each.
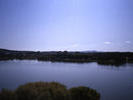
{"type": "Point", "coordinates": [73, 25]}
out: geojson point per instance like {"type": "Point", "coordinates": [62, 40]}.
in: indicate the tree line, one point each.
{"type": "Point", "coordinates": [107, 58]}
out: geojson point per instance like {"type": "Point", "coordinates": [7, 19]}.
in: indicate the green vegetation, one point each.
{"type": "Point", "coordinates": [49, 91]}
{"type": "Point", "coordinates": [83, 93]}
{"type": "Point", "coordinates": [105, 58]}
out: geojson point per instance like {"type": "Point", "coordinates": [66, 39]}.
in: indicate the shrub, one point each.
{"type": "Point", "coordinates": [49, 91]}
{"type": "Point", "coordinates": [83, 93]}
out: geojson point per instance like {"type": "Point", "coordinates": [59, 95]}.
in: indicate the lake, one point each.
{"type": "Point", "coordinates": [113, 83]}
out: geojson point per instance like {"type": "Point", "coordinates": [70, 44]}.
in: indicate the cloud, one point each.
{"type": "Point", "coordinates": [128, 42]}
{"type": "Point", "coordinates": [74, 45]}
{"type": "Point", "coordinates": [107, 42]}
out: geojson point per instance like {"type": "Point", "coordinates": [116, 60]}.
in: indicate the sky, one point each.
{"type": "Point", "coordinates": [72, 25]}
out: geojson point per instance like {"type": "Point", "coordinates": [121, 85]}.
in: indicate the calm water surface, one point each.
{"type": "Point", "coordinates": [113, 83]}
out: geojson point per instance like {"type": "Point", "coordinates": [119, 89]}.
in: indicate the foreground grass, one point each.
{"type": "Point", "coordinates": [49, 91]}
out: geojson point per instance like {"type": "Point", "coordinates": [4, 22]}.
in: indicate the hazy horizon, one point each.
{"type": "Point", "coordinates": [66, 25]}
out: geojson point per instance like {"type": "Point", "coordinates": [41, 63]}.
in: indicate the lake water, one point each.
{"type": "Point", "coordinates": [113, 83]}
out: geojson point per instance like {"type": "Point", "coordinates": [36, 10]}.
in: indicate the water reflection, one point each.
{"type": "Point", "coordinates": [114, 83]}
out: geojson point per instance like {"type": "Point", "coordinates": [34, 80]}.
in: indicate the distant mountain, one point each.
{"type": "Point", "coordinates": [1, 50]}
{"type": "Point", "coordinates": [90, 51]}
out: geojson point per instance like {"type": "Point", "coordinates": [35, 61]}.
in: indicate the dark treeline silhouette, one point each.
{"type": "Point", "coordinates": [107, 58]}
{"type": "Point", "coordinates": [49, 91]}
